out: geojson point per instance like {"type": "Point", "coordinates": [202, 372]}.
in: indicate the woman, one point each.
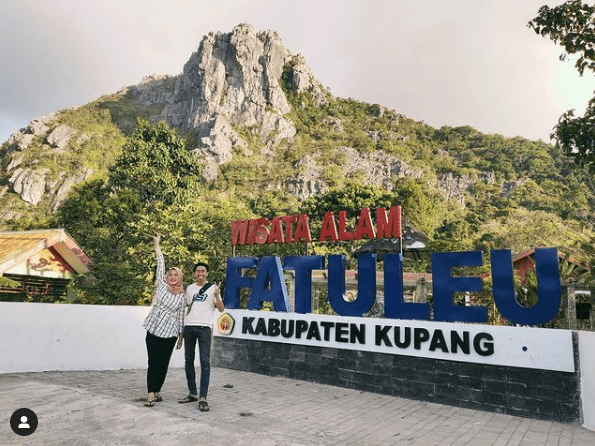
{"type": "Point", "coordinates": [164, 324]}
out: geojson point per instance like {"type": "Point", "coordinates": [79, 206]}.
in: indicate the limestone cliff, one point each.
{"type": "Point", "coordinates": [235, 84]}
{"type": "Point", "coordinates": [232, 81]}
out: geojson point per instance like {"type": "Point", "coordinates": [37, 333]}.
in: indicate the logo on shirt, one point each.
{"type": "Point", "coordinates": [199, 297]}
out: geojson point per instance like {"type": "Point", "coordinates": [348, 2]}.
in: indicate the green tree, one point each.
{"type": "Point", "coordinates": [101, 221]}
{"type": "Point", "coordinates": [351, 198]}
{"type": "Point", "coordinates": [156, 164]}
{"type": "Point", "coordinates": [572, 25]}
{"type": "Point", "coordinates": [114, 219]}
{"type": "Point", "coordinates": [453, 235]}
{"type": "Point", "coordinates": [420, 205]}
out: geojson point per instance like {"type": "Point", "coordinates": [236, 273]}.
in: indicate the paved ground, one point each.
{"type": "Point", "coordinates": [106, 408]}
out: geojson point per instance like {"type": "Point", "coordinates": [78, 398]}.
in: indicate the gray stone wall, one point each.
{"type": "Point", "coordinates": [540, 394]}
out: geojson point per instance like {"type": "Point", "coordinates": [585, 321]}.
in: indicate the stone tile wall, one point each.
{"type": "Point", "coordinates": [530, 393]}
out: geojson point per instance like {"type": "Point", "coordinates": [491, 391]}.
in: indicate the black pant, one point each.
{"type": "Point", "coordinates": [202, 335]}
{"type": "Point", "coordinates": [159, 351]}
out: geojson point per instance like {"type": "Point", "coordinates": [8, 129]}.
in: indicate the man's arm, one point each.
{"type": "Point", "coordinates": [218, 301]}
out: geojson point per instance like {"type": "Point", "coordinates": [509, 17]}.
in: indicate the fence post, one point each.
{"type": "Point", "coordinates": [571, 308]}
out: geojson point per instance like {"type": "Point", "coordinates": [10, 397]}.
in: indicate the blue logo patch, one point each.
{"type": "Point", "coordinates": [199, 297]}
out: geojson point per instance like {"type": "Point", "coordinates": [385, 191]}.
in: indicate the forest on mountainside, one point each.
{"type": "Point", "coordinates": [153, 183]}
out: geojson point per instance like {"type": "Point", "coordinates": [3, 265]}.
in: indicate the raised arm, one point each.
{"type": "Point", "coordinates": [160, 274]}
{"type": "Point", "coordinates": [157, 240]}
{"type": "Point", "coordinates": [218, 301]}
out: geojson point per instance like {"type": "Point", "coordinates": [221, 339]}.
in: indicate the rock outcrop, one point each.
{"type": "Point", "coordinates": [375, 168]}
{"type": "Point", "coordinates": [232, 82]}
{"type": "Point", "coordinates": [31, 182]}
{"type": "Point", "coordinates": [454, 187]}
{"type": "Point", "coordinates": [154, 89]}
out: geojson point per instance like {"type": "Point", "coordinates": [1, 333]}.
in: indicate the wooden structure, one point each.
{"type": "Point", "coordinates": [524, 262]}
{"type": "Point", "coordinates": [42, 261]}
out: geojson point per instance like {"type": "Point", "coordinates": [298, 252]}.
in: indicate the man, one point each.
{"type": "Point", "coordinates": [202, 298]}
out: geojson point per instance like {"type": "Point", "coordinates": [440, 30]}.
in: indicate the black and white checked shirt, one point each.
{"type": "Point", "coordinates": [166, 318]}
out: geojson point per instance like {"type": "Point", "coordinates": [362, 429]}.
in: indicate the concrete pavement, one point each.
{"type": "Point", "coordinates": [106, 408]}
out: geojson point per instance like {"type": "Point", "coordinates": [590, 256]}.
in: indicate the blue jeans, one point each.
{"type": "Point", "coordinates": [202, 334]}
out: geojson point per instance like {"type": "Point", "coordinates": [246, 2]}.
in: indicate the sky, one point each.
{"type": "Point", "coordinates": [444, 62]}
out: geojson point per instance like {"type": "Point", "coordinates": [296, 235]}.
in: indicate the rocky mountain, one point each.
{"type": "Point", "coordinates": [255, 113]}
{"type": "Point", "coordinates": [233, 81]}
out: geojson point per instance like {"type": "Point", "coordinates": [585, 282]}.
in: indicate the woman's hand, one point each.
{"type": "Point", "coordinates": [157, 240]}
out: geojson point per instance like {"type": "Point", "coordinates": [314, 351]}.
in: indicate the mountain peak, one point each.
{"type": "Point", "coordinates": [233, 81]}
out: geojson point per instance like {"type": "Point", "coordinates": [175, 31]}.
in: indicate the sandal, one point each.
{"type": "Point", "coordinates": [188, 399]}
{"type": "Point", "coordinates": [158, 398]}
{"type": "Point", "coordinates": [203, 406]}
{"type": "Point", "coordinates": [149, 403]}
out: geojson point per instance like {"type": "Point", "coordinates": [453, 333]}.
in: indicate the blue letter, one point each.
{"type": "Point", "coordinates": [366, 285]}
{"type": "Point", "coordinates": [548, 287]}
{"type": "Point", "coordinates": [394, 305]}
{"type": "Point", "coordinates": [269, 285]}
{"type": "Point", "coordinates": [303, 266]}
{"type": "Point", "coordinates": [445, 286]}
{"type": "Point", "coordinates": [234, 281]}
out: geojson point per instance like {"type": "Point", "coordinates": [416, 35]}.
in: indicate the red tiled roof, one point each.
{"type": "Point", "coordinates": [16, 247]}
{"type": "Point", "coordinates": [561, 256]}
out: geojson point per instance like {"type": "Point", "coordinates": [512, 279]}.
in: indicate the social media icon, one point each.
{"type": "Point", "coordinates": [23, 422]}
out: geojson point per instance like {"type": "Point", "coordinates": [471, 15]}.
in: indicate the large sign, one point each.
{"type": "Point", "coordinates": [296, 228]}
{"type": "Point", "coordinates": [268, 284]}
{"type": "Point", "coordinates": [534, 348]}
